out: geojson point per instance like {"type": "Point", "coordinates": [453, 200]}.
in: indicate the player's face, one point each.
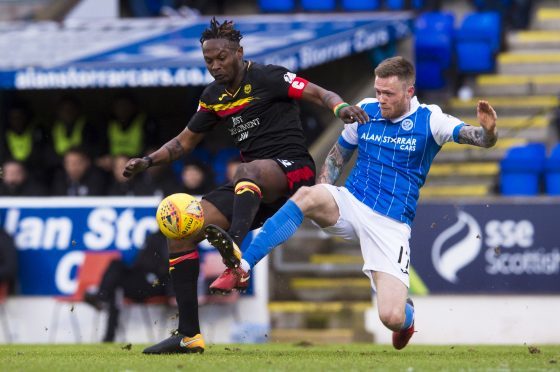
{"type": "Point", "coordinates": [224, 60]}
{"type": "Point", "coordinates": [394, 96]}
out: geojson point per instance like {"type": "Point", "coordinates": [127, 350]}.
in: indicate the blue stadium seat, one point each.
{"type": "Point", "coordinates": [433, 46]}
{"type": "Point", "coordinates": [435, 21]}
{"type": "Point", "coordinates": [521, 169]}
{"type": "Point", "coordinates": [318, 5]}
{"type": "Point", "coordinates": [395, 4]}
{"type": "Point", "coordinates": [429, 75]}
{"type": "Point", "coordinates": [360, 5]}
{"type": "Point", "coordinates": [478, 39]}
{"type": "Point", "coordinates": [552, 171]}
{"type": "Point", "coordinates": [417, 4]}
{"type": "Point", "coordinates": [474, 57]}
{"type": "Point", "coordinates": [404, 4]}
{"type": "Point", "coordinates": [278, 6]}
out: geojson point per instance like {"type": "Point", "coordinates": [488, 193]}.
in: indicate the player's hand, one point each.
{"type": "Point", "coordinates": [351, 114]}
{"type": "Point", "coordinates": [135, 166]}
{"type": "Point", "coordinates": [486, 116]}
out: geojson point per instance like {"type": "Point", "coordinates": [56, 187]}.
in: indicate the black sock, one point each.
{"type": "Point", "coordinates": [246, 203]}
{"type": "Point", "coordinates": [184, 268]}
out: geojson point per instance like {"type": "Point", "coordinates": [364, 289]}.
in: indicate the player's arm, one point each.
{"type": "Point", "coordinates": [182, 144]}
{"type": "Point", "coordinates": [331, 100]}
{"type": "Point", "coordinates": [337, 158]}
{"type": "Point", "coordinates": [487, 134]}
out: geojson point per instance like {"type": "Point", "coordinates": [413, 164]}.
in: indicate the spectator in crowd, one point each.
{"type": "Point", "coordinates": [147, 277]}
{"type": "Point", "coordinates": [22, 140]}
{"type": "Point", "coordinates": [121, 185]}
{"type": "Point", "coordinates": [70, 129]}
{"type": "Point", "coordinates": [158, 181]}
{"type": "Point", "coordinates": [197, 178]}
{"type": "Point", "coordinates": [17, 182]}
{"type": "Point", "coordinates": [231, 167]}
{"type": "Point", "coordinates": [129, 131]}
{"type": "Point", "coordinates": [8, 259]}
{"type": "Point", "coordinates": [78, 176]}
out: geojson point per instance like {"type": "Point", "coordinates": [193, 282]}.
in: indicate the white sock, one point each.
{"type": "Point", "coordinates": [245, 265]}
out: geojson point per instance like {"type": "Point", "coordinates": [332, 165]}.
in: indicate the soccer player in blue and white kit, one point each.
{"type": "Point", "coordinates": [378, 202]}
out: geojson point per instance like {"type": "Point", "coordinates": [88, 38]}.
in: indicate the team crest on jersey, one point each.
{"type": "Point", "coordinates": [407, 124]}
{"type": "Point", "coordinates": [247, 88]}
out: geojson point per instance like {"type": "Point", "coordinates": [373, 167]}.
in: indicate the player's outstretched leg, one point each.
{"type": "Point", "coordinates": [178, 343]}
{"type": "Point", "coordinates": [221, 240]}
{"type": "Point", "coordinates": [230, 279]}
{"type": "Point", "coordinates": [401, 338]}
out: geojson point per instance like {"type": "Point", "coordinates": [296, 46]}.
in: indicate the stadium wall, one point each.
{"type": "Point", "coordinates": [452, 320]}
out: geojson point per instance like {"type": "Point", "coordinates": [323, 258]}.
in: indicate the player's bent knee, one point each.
{"type": "Point", "coordinates": [305, 198]}
{"type": "Point", "coordinates": [392, 318]}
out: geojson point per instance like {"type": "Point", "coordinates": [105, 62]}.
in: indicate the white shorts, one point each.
{"type": "Point", "coordinates": [384, 242]}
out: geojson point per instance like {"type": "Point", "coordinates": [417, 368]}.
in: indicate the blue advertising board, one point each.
{"type": "Point", "coordinates": [488, 247]}
{"type": "Point", "coordinates": [171, 56]}
{"type": "Point", "coordinates": [51, 235]}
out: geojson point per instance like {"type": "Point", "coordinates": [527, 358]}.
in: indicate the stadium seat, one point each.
{"type": "Point", "coordinates": [478, 39]}
{"type": "Point", "coordinates": [395, 4]}
{"type": "Point", "coordinates": [552, 172]}
{"type": "Point", "coordinates": [3, 313]}
{"type": "Point", "coordinates": [129, 304]}
{"type": "Point", "coordinates": [433, 46]}
{"type": "Point", "coordinates": [89, 275]}
{"type": "Point", "coordinates": [318, 5]}
{"type": "Point", "coordinates": [521, 169]}
{"type": "Point", "coordinates": [429, 74]}
{"type": "Point", "coordinates": [417, 4]}
{"type": "Point", "coordinates": [360, 5]}
{"type": "Point", "coordinates": [404, 4]}
{"type": "Point", "coordinates": [277, 6]}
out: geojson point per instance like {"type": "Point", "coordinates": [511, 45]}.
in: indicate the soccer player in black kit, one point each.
{"type": "Point", "coordinates": [257, 104]}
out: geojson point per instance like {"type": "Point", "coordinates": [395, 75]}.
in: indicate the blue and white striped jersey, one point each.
{"type": "Point", "coordinates": [394, 156]}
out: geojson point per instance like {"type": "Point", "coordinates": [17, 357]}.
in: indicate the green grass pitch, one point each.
{"type": "Point", "coordinates": [300, 357]}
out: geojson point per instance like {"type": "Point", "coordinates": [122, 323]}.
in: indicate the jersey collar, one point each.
{"type": "Point", "coordinates": [414, 104]}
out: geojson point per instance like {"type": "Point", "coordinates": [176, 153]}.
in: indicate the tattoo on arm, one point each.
{"type": "Point", "coordinates": [476, 136]}
{"type": "Point", "coordinates": [174, 149]}
{"type": "Point", "coordinates": [330, 99]}
{"type": "Point", "coordinates": [334, 163]}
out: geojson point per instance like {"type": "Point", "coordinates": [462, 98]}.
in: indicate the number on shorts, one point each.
{"type": "Point", "coordinates": [404, 259]}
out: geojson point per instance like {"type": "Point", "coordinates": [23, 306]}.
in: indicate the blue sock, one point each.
{"type": "Point", "coordinates": [409, 316]}
{"type": "Point", "coordinates": [275, 231]}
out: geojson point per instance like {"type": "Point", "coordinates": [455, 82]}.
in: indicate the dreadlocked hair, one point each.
{"type": "Point", "coordinates": [225, 30]}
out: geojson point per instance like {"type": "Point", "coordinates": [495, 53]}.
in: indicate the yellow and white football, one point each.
{"type": "Point", "coordinates": [180, 216]}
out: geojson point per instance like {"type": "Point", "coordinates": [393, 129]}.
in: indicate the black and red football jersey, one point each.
{"type": "Point", "coordinates": [262, 116]}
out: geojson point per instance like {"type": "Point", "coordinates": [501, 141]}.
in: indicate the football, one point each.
{"type": "Point", "coordinates": [179, 216]}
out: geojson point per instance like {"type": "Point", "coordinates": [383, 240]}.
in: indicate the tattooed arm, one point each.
{"type": "Point", "coordinates": [487, 134]}
{"type": "Point", "coordinates": [337, 158]}
{"type": "Point", "coordinates": [182, 144]}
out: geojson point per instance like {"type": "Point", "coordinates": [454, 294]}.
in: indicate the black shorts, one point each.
{"type": "Point", "coordinates": [300, 172]}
